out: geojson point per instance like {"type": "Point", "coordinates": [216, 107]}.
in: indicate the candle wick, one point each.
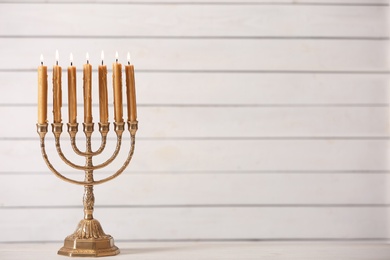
{"type": "Point", "coordinates": [57, 62]}
{"type": "Point", "coordinates": [116, 60]}
{"type": "Point", "coordinates": [102, 62]}
{"type": "Point", "coordinates": [71, 63]}
{"type": "Point", "coordinates": [41, 63]}
{"type": "Point", "coordinates": [87, 61]}
{"type": "Point", "coordinates": [128, 62]}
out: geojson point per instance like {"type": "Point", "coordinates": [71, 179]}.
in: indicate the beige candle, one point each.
{"type": "Point", "coordinates": [117, 83]}
{"type": "Point", "coordinates": [103, 97]}
{"type": "Point", "coordinates": [87, 72]}
{"type": "Point", "coordinates": [72, 96]}
{"type": "Point", "coordinates": [42, 93]}
{"type": "Point", "coordinates": [130, 87]}
{"type": "Point", "coordinates": [57, 91]}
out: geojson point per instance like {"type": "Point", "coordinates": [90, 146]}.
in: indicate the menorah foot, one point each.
{"type": "Point", "coordinates": [89, 240]}
{"type": "Point", "coordinates": [94, 247]}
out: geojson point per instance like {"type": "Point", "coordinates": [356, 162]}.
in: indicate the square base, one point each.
{"type": "Point", "coordinates": [93, 247]}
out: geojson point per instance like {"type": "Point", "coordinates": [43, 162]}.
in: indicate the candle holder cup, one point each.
{"type": "Point", "coordinates": [89, 238]}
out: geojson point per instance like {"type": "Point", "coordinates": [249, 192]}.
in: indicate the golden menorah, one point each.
{"type": "Point", "coordinates": [89, 238]}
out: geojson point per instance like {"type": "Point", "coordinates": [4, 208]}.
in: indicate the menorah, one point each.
{"type": "Point", "coordinates": [89, 238]}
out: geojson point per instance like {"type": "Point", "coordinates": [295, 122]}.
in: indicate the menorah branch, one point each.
{"type": "Point", "coordinates": [42, 130]}
{"type": "Point", "coordinates": [73, 129]}
{"type": "Point", "coordinates": [57, 130]}
{"type": "Point", "coordinates": [133, 127]}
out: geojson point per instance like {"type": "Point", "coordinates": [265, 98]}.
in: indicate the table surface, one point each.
{"type": "Point", "coordinates": [215, 250]}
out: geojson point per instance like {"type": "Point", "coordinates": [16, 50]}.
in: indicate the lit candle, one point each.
{"type": "Point", "coordinates": [42, 93]}
{"type": "Point", "coordinates": [72, 100]}
{"type": "Point", "coordinates": [57, 92]}
{"type": "Point", "coordinates": [87, 91]}
{"type": "Point", "coordinates": [103, 97]}
{"type": "Point", "coordinates": [130, 87]}
{"type": "Point", "coordinates": [117, 83]}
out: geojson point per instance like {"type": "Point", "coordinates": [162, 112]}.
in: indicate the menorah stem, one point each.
{"type": "Point", "coordinates": [89, 198]}
{"type": "Point", "coordinates": [89, 202]}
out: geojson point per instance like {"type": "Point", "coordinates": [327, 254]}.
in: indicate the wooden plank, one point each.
{"type": "Point", "coordinates": [214, 155]}
{"type": "Point", "coordinates": [216, 250]}
{"type": "Point", "coordinates": [190, 54]}
{"type": "Point", "coordinates": [225, 122]}
{"type": "Point", "coordinates": [223, 88]}
{"type": "Point", "coordinates": [158, 189]}
{"type": "Point", "coordinates": [194, 2]}
{"type": "Point", "coordinates": [295, 2]}
{"type": "Point", "coordinates": [199, 223]}
{"type": "Point", "coordinates": [249, 20]}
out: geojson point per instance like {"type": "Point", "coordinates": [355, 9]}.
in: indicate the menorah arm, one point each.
{"type": "Point", "coordinates": [73, 129]}
{"type": "Point", "coordinates": [42, 130]}
{"type": "Point", "coordinates": [84, 168]}
{"type": "Point", "coordinates": [88, 129]}
{"type": "Point", "coordinates": [133, 127]}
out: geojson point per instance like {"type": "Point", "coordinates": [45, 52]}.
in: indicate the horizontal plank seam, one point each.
{"type": "Point", "coordinates": [225, 71]}
{"type": "Point", "coordinates": [199, 37]}
{"type": "Point", "coordinates": [228, 138]}
{"type": "Point", "coordinates": [317, 239]}
{"type": "Point", "coordinates": [274, 105]}
{"type": "Point", "coordinates": [21, 207]}
{"type": "Point", "coordinates": [314, 239]}
{"type": "Point", "coordinates": [269, 3]}
{"type": "Point", "coordinates": [232, 240]}
{"type": "Point", "coordinates": [238, 172]}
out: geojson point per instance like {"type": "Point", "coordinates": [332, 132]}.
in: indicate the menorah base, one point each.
{"type": "Point", "coordinates": [92, 247]}
{"type": "Point", "coordinates": [89, 240]}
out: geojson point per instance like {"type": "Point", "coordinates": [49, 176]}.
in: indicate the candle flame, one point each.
{"type": "Point", "coordinates": [102, 55]}
{"type": "Point", "coordinates": [41, 59]}
{"type": "Point", "coordinates": [71, 58]}
{"type": "Point", "coordinates": [128, 58]}
{"type": "Point", "coordinates": [116, 56]}
{"type": "Point", "coordinates": [87, 57]}
{"type": "Point", "coordinates": [57, 57]}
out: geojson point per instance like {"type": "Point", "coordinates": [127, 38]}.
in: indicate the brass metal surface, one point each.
{"type": "Point", "coordinates": [89, 239]}
{"type": "Point", "coordinates": [92, 247]}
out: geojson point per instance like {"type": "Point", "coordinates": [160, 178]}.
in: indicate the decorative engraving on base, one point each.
{"type": "Point", "coordinates": [89, 247]}
{"type": "Point", "coordinates": [89, 240]}
{"type": "Point", "coordinates": [89, 228]}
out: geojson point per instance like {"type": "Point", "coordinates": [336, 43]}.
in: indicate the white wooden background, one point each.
{"type": "Point", "coordinates": [258, 120]}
